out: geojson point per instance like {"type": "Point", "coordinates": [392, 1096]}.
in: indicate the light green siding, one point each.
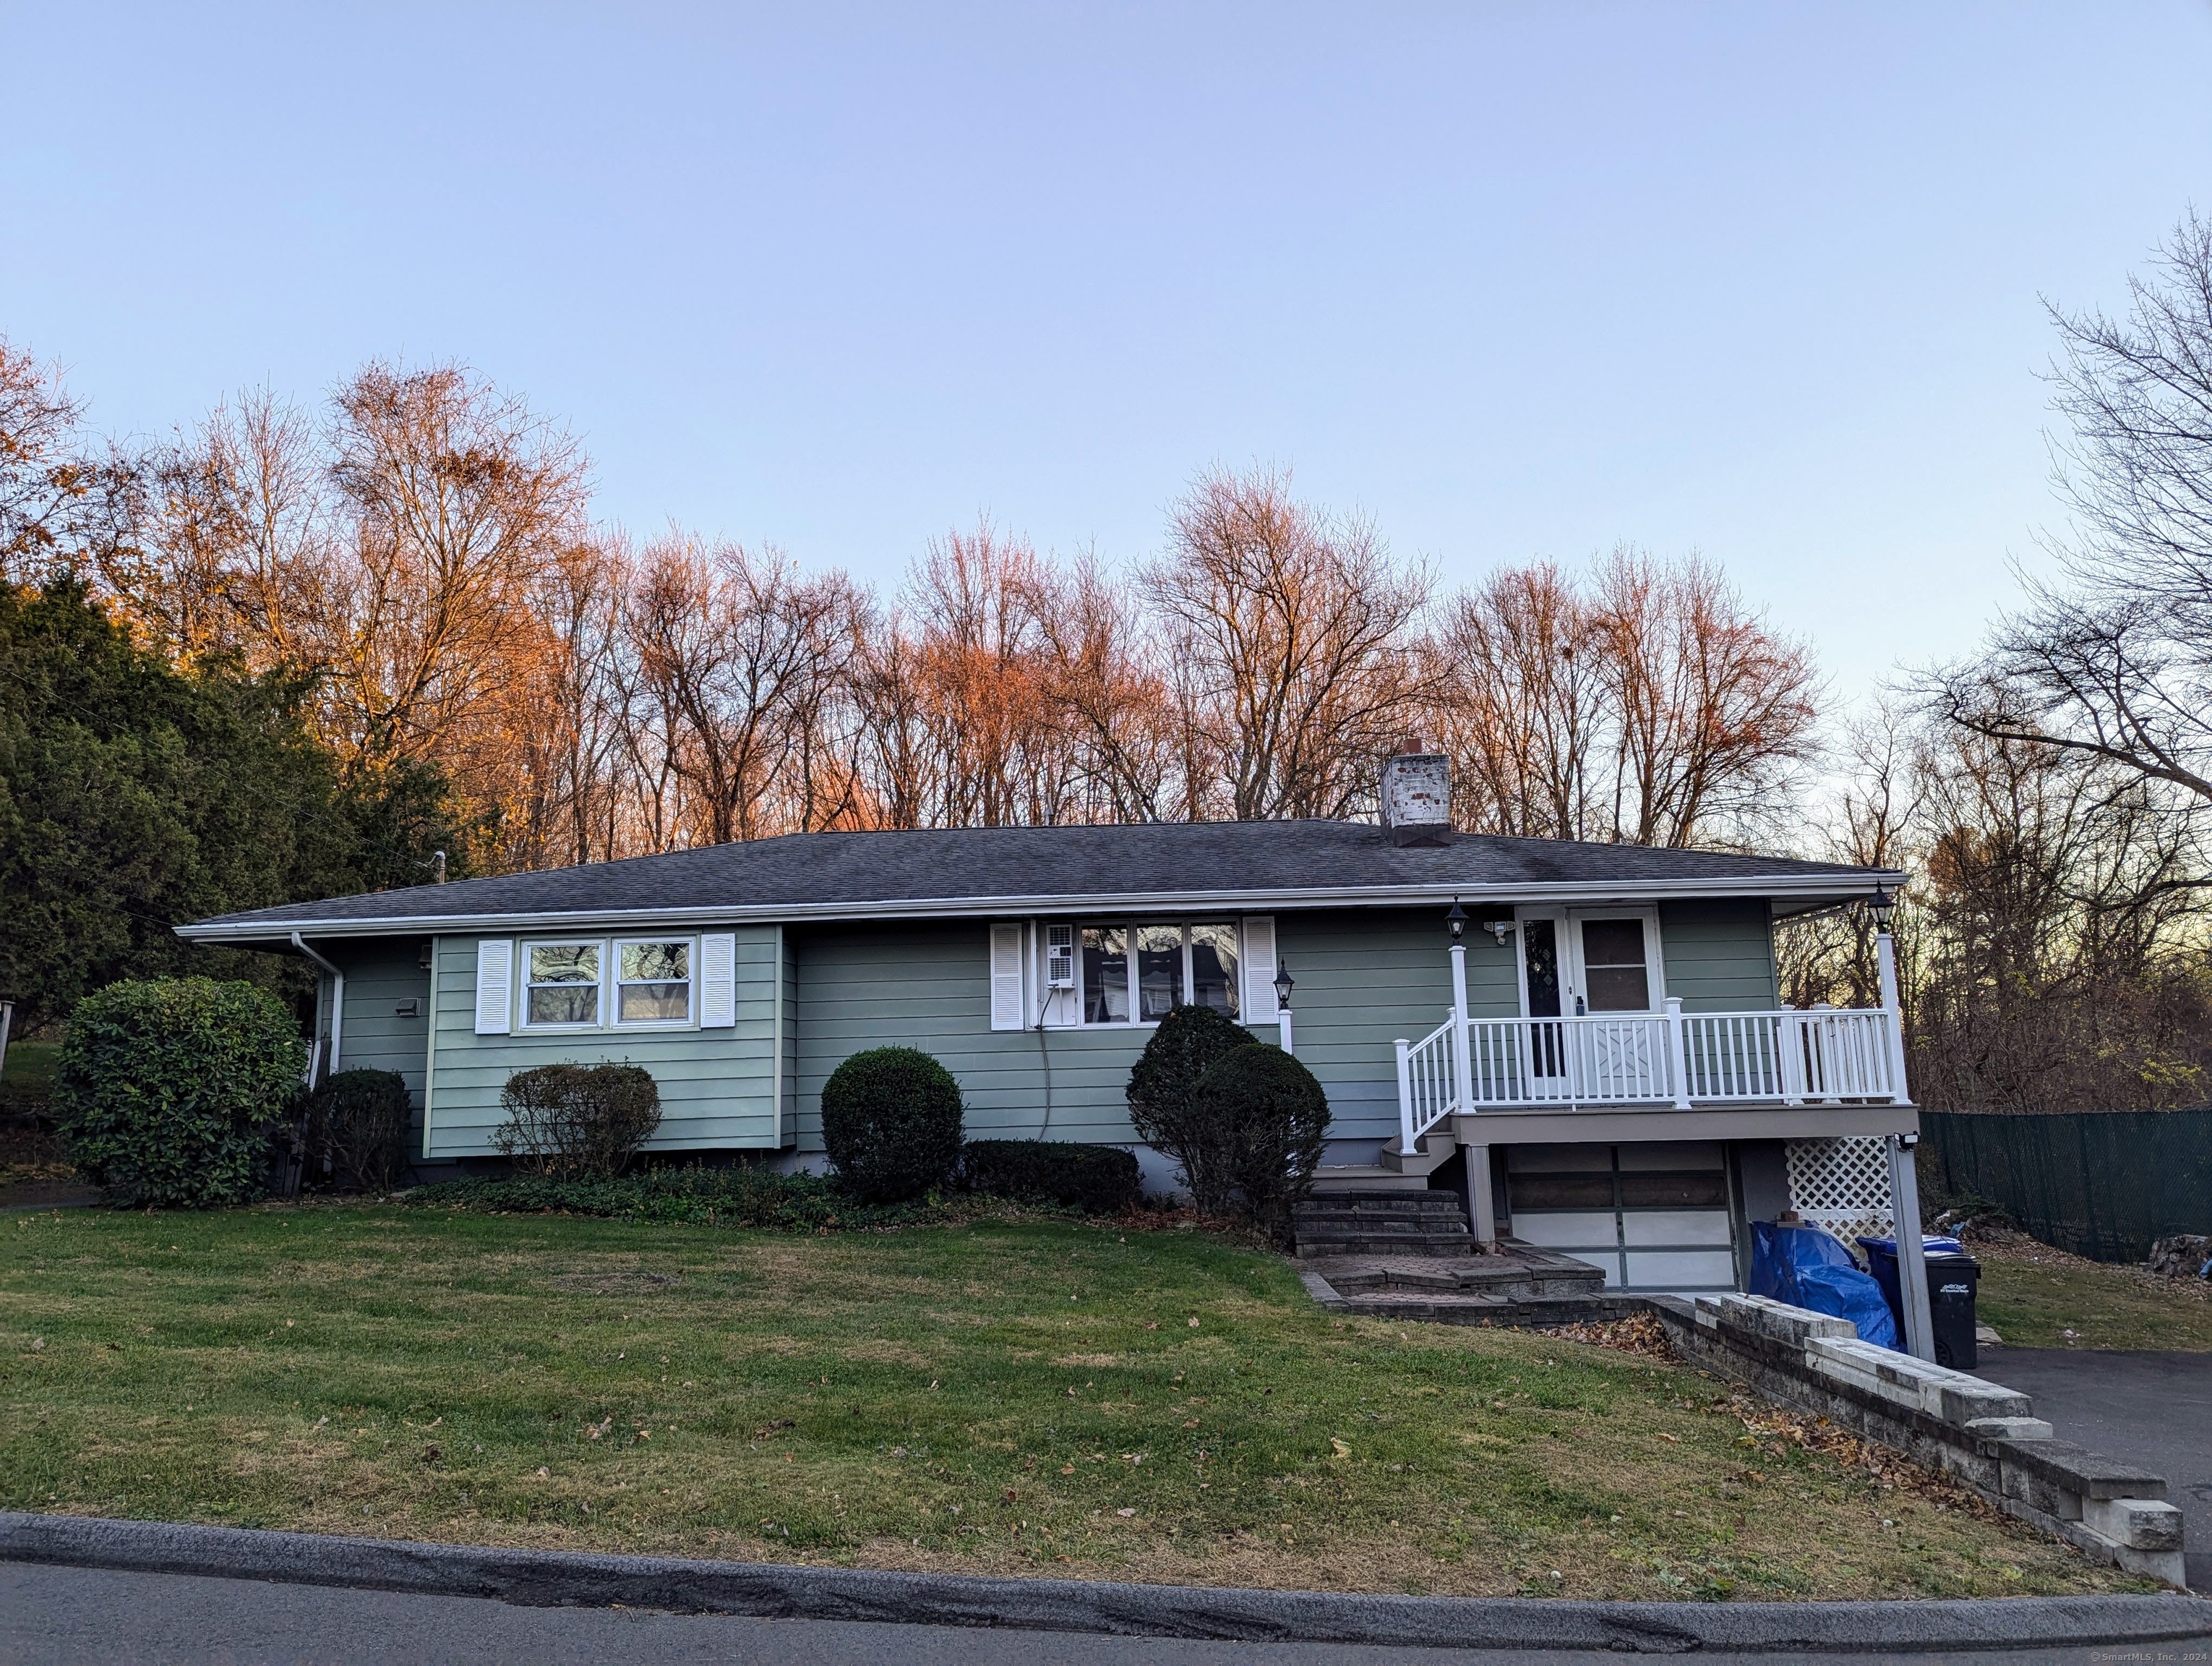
{"type": "Point", "coordinates": [1719, 955]}
{"type": "Point", "coordinates": [928, 985]}
{"type": "Point", "coordinates": [381, 974]}
{"type": "Point", "coordinates": [786, 1055]}
{"type": "Point", "coordinates": [718, 1087]}
{"type": "Point", "coordinates": [809, 996]}
{"type": "Point", "coordinates": [1363, 977]}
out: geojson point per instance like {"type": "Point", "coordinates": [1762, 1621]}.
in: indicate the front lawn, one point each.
{"type": "Point", "coordinates": [2037, 1297]}
{"type": "Point", "coordinates": [1009, 1396]}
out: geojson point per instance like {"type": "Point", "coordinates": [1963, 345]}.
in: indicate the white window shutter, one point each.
{"type": "Point", "coordinates": [494, 987]}
{"type": "Point", "coordinates": [1006, 976]}
{"type": "Point", "coordinates": [718, 981]}
{"type": "Point", "coordinates": [1259, 1006]}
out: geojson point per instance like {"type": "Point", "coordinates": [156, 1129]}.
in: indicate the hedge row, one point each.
{"type": "Point", "coordinates": [1068, 1176]}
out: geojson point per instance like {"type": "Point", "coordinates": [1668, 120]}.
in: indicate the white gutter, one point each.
{"type": "Point", "coordinates": [337, 1005]}
{"type": "Point", "coordinates": [978, 907]}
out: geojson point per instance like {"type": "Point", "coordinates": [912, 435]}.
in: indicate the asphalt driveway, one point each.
{"type": "Point", "coordinates": [2153, 1410]}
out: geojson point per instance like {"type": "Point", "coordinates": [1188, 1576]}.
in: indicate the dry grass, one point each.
{"type": "Point", "coordinates": [1001, 1396]}
{"type": "Point", "coordinates": [2041, 1298]}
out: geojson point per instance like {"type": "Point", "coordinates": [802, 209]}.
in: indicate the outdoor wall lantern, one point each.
{"type": "Point", "coordinates": [1882, 906]}
{"type": "Point", "coordinates": [1284, 984]}
{"type": "Point", "coordinates": [1456, 920]}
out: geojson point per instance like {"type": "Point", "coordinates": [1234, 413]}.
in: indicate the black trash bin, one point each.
{"type": "Point", "coordinates": [1953, 1280]}
{"type": "Point", "coordinates": [1953, 1284]}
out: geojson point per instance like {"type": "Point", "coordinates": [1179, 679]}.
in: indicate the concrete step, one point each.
{"type": "Point", "coordinates": [1476, 1310]}
{"type": "Point", "coordinates": [1507, 1284]}
{"type": "Point", "coordinates": [1308, 1249]}
{"type": "Point", "coordinates": [1335, 1178]}
{"type": "Point", "coordinates": [1428, 1199]}
{"type": "Point", "coordinates": [1386, 1223]}
{"type": "Point", "coordinates": [1430, 1152]}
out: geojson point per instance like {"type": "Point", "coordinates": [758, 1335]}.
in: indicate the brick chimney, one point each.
{"type": "Point", "coordinates": [1416, 797]}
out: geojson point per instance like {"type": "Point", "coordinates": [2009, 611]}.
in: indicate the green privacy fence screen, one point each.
{"type": "Point", "coordinates": [2101, 1184]}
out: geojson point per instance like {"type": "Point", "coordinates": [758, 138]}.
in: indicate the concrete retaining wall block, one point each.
{"type": "Point", "coordinates": [2138, 1524]}
{"type": "Point", "coordinates": [1983, 1433]}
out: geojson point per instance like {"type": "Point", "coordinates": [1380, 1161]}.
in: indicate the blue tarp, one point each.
{"type": "Point", "coordinates": [1807, 1267]}
{"type": "Point", "coordinates": [1882, 1262]}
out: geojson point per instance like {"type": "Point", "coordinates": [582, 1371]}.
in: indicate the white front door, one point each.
{"type": "Point", "coordinates": [1593, 964]}
{"type": "Point", "coordinates": [1615, 981]}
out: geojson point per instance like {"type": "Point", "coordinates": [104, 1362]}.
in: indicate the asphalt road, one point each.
{"type": "Point", "coordinates": [2153, 1410]}
{"type": "Point", "coordinates": [87, 1617]}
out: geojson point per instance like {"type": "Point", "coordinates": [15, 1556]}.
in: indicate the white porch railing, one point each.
{"type": "Point", "coordinates": [1675, 1058]}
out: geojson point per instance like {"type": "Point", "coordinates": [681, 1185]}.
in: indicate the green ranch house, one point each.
{"type": "Point", "coordinates": [1585, 1041]}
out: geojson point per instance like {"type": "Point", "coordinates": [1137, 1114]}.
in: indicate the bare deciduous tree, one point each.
{"type": "Point", "coordinates": [1292, 633]}
{"type": "Point", "coordinates": [1648, 708]}
{"type": "Point", "coordinates": [233, 521]}
{"type": "Point", "coordinates": [1521, 705]}
{"type": "Point", "coordinates": [2116, 660]}
{"type": "Point", "coordinates": [1711, 707]}
{"type": "Point", "coordinates": [457, 497]}
{"type": "Point", "coordinates": [62, 509]}
{"type": "Point", "coordinates": [743, 654]}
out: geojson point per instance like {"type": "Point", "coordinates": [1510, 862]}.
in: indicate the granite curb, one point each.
{"type": "Point", "coordinates": [542, 1579]}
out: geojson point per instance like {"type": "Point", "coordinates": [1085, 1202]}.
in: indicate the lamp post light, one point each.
{"type": "Point", "coordinates": [1462, 1071]}
{"type": "Point", "coordinates": [1481, 1213]}
{"type": "Point", "coordinates": [1284, 984]}
{"type": "Point", "coordinates": [1882, 906]}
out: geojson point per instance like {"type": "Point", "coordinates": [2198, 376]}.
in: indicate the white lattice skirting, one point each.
{"type": "Point", "coordinates": [1842, 1184]}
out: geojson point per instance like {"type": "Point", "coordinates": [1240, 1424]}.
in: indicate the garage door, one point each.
{"type": "Point", "coordinates": [1654, 1216]}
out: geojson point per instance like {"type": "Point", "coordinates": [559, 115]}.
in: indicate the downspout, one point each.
{"type": "Point", "coordinates": [337, 1002]}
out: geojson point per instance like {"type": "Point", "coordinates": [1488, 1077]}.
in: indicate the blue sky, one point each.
{"type": "Point", "coordinates": [1516, 281]}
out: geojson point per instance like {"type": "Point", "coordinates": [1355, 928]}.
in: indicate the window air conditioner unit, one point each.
{"type": "Point", "coordinates": [1060, 957]}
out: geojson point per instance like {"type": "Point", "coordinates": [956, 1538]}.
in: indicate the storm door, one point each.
{"type": "Point", "coordinates": [1620, 1055]}
{"type": "Point", "coordinates": [1590, 994]}
{"type": "Point", "coordinates": [1543, 996]}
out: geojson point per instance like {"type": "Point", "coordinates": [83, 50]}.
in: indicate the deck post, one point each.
{"type": "Point", "coordinates": [1462, 1098]}
{"type": "Point", "coordinates": [1678, 1053]}
{"type": "Point", "coordinates": [1885, 957]}
{"type": "Point", "coordinates": [1404, 1095]}
{"type": "Point", "coordinates": [1482, 1210]}
{"type": "Point", "coordinates": [1790, 1055]}
{"type": "Point", "coordinates": [1912, 1257]}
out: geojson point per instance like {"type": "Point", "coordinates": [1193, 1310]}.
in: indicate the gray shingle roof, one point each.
{"type": "Point", "coordinates": [968, 871]}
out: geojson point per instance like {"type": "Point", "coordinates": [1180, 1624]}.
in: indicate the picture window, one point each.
{"type": "Point", "coordinates": [1139, 972]}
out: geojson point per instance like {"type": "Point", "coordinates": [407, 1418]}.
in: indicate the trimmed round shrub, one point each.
{"type": "Point", "coordinates": [1274, 1115]}
{"type": "Point", "coordinates": [892, 1124]}
{"type": "Point", "coordinates": [1163, 1099]}
{"type": "Point", "coordinates": [1099, 1179]}
{"type": "Point", "coordinates": [569, 1120]}
{"type": "Point", "coordinates": [357, 1119]}
{"type": "Point", "coordinates": [169, 1090]}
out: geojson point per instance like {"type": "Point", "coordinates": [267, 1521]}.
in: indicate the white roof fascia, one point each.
{"type": "Point", "coordinates": [1622, 891]}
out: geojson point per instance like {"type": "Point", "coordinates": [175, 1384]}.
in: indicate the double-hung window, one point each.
{"type": "Point", "coordinates": [600, 984]}
{"type": "Point", "coordinates": [653, 982]}
{"type": "Point", "coordinates": [1134, 974]}
{"type": "Point", "coordinates": [560, 989]}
